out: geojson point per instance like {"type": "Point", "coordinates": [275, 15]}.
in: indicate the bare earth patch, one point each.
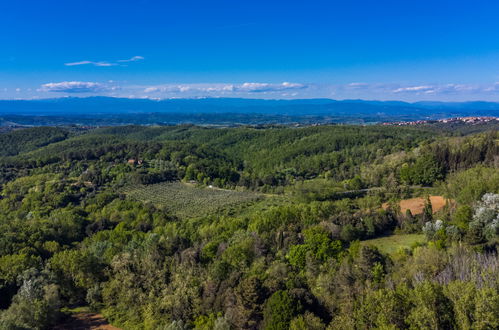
{"type": "Point", "coordinates": [416, 205]}
{"type": "Point", "coordinates": [86, 321]}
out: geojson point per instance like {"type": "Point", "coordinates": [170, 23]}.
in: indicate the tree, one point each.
{"type": "Point", "coordinates": [462, 217]}
{"type": "Point", "coordinates": [432, 309]}
{"type": "Point", "coordinates": [279, 310]}
{"type": "Point", "coordinates": [35, 306]}
{"type": "Point", "coordinates": [250, 296]}
{"type": "Point", "coordinates": [317, 244]}
{"type": "Point", "coordinates": [486, 307]}
{"type": "Point", "coordinates": [307, 321]}
{"type": "Point", "coordinates": [427, 210]}
{"type": "Point", "coordinates": [382, 309]}
{"type": "Point", "coordinates": [425, 171]}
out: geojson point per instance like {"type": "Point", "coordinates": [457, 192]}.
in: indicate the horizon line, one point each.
{"type": "Point", "coordinates": [244, 98]}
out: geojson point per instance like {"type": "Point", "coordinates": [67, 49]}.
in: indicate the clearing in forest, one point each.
{"type": "Point", "coordinates": [416, 205]}
{"type": "Point", "coordinates": [186, 200]}
{"type": "Point", "coordinates": [393, 243]}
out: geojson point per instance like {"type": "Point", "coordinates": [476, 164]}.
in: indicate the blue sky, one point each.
{"type": "Point", "coordinates": [405, 50]}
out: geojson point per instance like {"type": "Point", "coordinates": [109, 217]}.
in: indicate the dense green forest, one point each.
{"type": "Point", "coordinates": [268, 227]}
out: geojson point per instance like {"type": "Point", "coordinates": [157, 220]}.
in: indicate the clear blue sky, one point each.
{"type": "Point", "coordinates": [407, 50]}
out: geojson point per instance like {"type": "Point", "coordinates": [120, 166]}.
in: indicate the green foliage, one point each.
{"type": "Point", "coordinates": [433, 310]}
{"type": "Point", "coordinates": [29, 139]}
{"type": "Point", "coordinates": [395, 243]}
{"type": "Point", "coordinates": [462, 217]}
{"type": "Point", "coordinates": [35, 306]}
{"type": "Point", "coordinates": [297, 255]}
{"type": "Point", "coordinates": [12, 265]}
{"type": "Point", "coordinates": [425, 171]}
{"type": "Point", "coordinates": [383, 309]}
{"type": "Point", "coordinates": [279, 310]}
{"type": "Point", "coordinates": [486, 306]}
{"type": "Point", "coordinates": [317, 244]}
{"type": "Point", "coordinates": [485, 223]}
{"type": "Point", "coordinates": [469, 186]}
{"type": "Point", "coordinates": [212, 321]}
{"type": "Point", "coordinates": [111, 220]}
{"type": "Point", "coordinates": [308, 321]}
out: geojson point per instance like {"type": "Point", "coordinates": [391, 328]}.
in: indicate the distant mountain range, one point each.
{"type": "Point", "coordinates": [212, 110]}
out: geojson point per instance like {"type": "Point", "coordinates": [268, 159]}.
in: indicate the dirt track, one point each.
{"type": "Point", "coordinates": [86, 321]}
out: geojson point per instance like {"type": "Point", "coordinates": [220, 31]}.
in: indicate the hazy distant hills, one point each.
{"type": "Point", "coordinates": [88, 105]}
{"type": "Point", "coordinates": [108, 110]}
{"type": "Point", "coordinates": [108, 105]}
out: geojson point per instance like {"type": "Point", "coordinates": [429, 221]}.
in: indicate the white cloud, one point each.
{"type": "Point", "coordinates": [415, 89]}
{"type": "Point", "coordinates": [132, 59]}
{"type": "Point", "coordinates": [444, 89]}
{"type": "Point", "coordinates": [244, 88]}
{"type": "Point", "coordinates": [494, 88]}
{"type": "Point", "coordinates": [90, 62]}
{"type": "Point", "coordinates": [78, 63]}
{"type": "Point", "coordinates": [73, 87]}
{"type": "Point", "coordinates": [151, 90]}
{"type": "Point", "coordinates": [172, 89]}
{"type": "Point", "coordinates": [266, 88]}
{"type": "Point", "coordinates": [354, 90]}
{"type": "Point", "coordinates": [358, 85]}
{"type": "Point", "coordinates": [105, 63]}
{"type": "Point", "coordinates": [459, 88]}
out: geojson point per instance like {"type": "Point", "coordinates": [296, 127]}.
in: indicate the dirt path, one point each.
{"type": "Point", "coordinates": [86, 321]}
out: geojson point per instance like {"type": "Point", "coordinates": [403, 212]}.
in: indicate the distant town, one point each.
{"type": "Point", "coordinates": [457, 120]}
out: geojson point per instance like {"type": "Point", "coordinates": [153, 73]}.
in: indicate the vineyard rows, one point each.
{"type": "Point", "coordinates": [185, 200]}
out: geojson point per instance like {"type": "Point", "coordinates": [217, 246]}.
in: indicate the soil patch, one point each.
{"type": "Point", "coordinates": [416, 205]}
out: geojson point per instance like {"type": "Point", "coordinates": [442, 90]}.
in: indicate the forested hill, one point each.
{"type": "Point", "coordinates": [271, 227]}
{"type": "Point", "coordinates": [266, 157]}
{"type": "Point", "coordinates": [241, 156]}
{"type": "Point", "coordinates": [16, 142]}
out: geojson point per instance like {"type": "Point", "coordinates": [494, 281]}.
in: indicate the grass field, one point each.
{"type": "Point", "coordinates": [186, 201]}
{"type": "Point", "coordinates": [393, 243]}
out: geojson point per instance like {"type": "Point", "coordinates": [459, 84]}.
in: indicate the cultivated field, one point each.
{"type": "Point", "coordinates": [186, 200]}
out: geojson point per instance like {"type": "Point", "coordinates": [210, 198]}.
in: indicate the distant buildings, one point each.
{"type": "Point", "coordinates": [457, 120]}
{"type": "Point", "coordinates": [135, 161]}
